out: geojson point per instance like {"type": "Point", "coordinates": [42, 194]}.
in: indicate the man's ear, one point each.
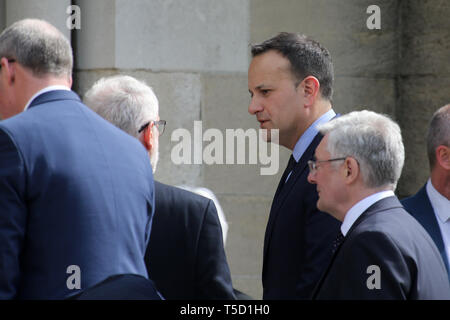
{"type": "Point", "coordinates": [147, 137]}
{"type": "Point", "coordinates": [7, 71]}
{"type": "Point", "coordinates": [351, 170]}
{"type": "Point", "coordinates": [311, 89]}
{"type": "Point", "coordinates": [443, 156]}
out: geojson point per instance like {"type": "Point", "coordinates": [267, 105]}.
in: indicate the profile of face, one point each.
{"type": "Point", "coordinates": [275, 100]}
{"type": "Point", "coordinates": [327, 178]}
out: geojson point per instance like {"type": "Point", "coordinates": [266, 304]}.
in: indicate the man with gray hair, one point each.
{"type": "Point", "coordinates": [382, 252]}
{"type": "Point", "coordinates": [431, 205]}
{"type": "Point", "coordinates": [185, 256]}
{"type": "Point", "coordinates": [71, 214]}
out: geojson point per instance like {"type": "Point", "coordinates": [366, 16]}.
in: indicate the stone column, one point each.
{"type": "Point", "coordinates": [2, 14]}
{"type": "Point", "coordinates": [53, 11]}
{"type": "Point", "coordinates": [424, 82]}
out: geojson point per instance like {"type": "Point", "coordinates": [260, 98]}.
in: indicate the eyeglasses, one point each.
{"type": "Point", "coordinates": [160, 125]}
{"type": "Point", "coordinates": [313, 163]}
{"type": "Point", "coordinates": [10, 61]}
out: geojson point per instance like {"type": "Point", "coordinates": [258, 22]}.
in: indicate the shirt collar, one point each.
{"type": "Point", "coordinates": [46, 89]}
{"type": "Point", "coordinates": [308, 136]}
{"type": "Point", "coordinates": [358, 209]}
{"type": "Point", "coordinates": [441, 205]}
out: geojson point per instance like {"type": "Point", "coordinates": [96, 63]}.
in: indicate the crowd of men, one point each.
{"type": "Point", "coordinates": [81, 216]}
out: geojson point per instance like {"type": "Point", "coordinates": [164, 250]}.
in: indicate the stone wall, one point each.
{"type": "Point", "coordinates": [195, 55]}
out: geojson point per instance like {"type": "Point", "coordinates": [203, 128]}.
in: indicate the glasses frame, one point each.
{"type": "Point", "coordinates": [158, 124]}
{"type": "Point", "coordinates": [312, 164]}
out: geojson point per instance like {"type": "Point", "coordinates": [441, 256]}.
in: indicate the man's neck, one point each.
{"type": "Point", "coordinates": [440, 178]}
{"type": "Point", "coordinates": [319, 109]}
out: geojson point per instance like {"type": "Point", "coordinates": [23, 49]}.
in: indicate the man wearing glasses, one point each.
{"type": "Point", "coordinates": [290, 81]}
{"type": "Point", "coordinates": [185, 256]}
{"type": "Point", "coordinates": [382, 251]}
{"type": "Point", "coordinates": [71, 215]}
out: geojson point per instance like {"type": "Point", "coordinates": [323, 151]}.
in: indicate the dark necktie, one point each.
{"type": "Point", "coordinates": [337, 242]}
{"type": "Point", "coordinates": [289, 168]}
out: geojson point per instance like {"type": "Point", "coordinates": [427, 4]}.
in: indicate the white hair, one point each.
{"type": "Point", "coordinates": [128, 104]}
{"type": "Point", "coordinates": [124, 101]}
{"type": "Point", "coordinates": [374, 140]}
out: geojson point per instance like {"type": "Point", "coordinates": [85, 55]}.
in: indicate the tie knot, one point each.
{"type": "Point", "coordinates": [338, 241]}
{"type": "Point", "coordinates": [291, 163]}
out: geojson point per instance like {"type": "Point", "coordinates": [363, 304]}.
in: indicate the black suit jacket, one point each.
{"type": "Point", "coordinates": [385, 235]}
{"type": "Point", "coordinates": [298, 239]}
{"type": "Point", "coordinates": [419, 206]}
{"type": "Point", "coordinates": [185, 256]}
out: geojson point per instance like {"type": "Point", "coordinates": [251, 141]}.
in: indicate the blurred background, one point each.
{"type": "Point", "coordinates": [195, 55]}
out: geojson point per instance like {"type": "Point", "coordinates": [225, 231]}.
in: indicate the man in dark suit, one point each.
{"type": "Point", "coordinates": [431, 205]}
{"type": "Point", "coordinates": [290, 80]}
{"type": "Point", "coordinates": [185, 256]}
{"type": "Point", "coordinates": [71, 214]}
{"type": "Point", "coordinates": [382, 252]}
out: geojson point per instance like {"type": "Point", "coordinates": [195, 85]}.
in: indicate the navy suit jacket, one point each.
{"type": "Point", "coordinates": [386, 236]}
{"type": "Point", "coordinates": [299, 237]}
{"type": "Point", "coordinates": [74, 190]}
{"type": "Point", "coordinates": [419, 206]}
{"type": "Point", "coordinates": [185, 256]}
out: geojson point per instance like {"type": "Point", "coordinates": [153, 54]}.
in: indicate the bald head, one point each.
{"type": "Point", "coordinates": [38, 46]}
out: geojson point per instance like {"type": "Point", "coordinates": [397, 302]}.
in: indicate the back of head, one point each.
{"type": "Point", "coordinates": [124, 101]}
{"type": "Point", "coordinates": [307, 58]}
{"type": "Point", "coordinates": [38, 46]}
{"type": "Point", "coordinates": [374, 140]}
{"type": "Point", "coordinates": [438, 132]}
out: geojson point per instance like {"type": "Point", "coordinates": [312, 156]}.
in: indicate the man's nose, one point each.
{"type": "Point", "coordinates": [254, 107]}
{"type": "Point", "coordinates": [311, 178]}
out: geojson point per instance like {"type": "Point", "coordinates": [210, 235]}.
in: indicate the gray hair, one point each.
{"type": "Point", "coordinates": [438, 132]}
{"type": "Point", "coordinates": [124, 101]}
{"type": "Point", "coordinates": [374, 140]}
{"type": "Point", "coordinates": [38, 46]}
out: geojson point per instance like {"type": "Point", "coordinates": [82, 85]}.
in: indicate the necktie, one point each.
{"type": "Point", "coordinates": [338, 241]}
{"type": "Point", "coordinates": [289, 168]}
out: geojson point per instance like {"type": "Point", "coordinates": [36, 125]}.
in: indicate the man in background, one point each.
{"type": "Point", "coordinates": [185, 256]}
{"type": "Point", "coordinates": [382, 252]}
{"type": "Point", "coordinates": [71, 214]}
{"type": "Point", "coordinates": [290, 80]}
{"type": "Point", "coordinates": [431, 205]}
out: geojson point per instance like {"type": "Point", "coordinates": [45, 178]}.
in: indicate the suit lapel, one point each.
{"type": "Point", "coordinates": [427, 218]}
{"type": "Point", "coordinates": [280, 196]}
{"type": "Point", "coordinates": [381, 205]}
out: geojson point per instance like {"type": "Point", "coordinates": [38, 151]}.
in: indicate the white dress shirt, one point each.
{"type": "Point", "coordinates": [441, 207]}
{"type": "Point", "coordinates": [46, 89]}
{"type": "Point", "coordinates": [359, 208]}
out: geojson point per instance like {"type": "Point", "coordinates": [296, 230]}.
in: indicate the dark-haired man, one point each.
{"type": "Point", "coordinates": [290, 81]}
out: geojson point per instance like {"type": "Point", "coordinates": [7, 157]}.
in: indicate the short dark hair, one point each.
{"type": "Point", "coordinates": [307, 58]}
{"type": "Point", "coordinates": [438, 132]}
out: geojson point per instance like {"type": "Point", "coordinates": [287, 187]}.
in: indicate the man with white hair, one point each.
{"type": "Point", "coordinates": [71, 214]}
{"type": "Point", "coordinates": [383, 252]}
{"type": "Point", "coordinates": [185, 256]}
{"type": "Point", "coordinates": [431, 205]}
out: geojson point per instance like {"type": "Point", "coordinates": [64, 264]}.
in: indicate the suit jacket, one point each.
{"type": "Point", "coordinates": [385, 236]}
{"type": "Point", "coordinates": [185, 256]}
{"type": "Point", "coordinates": [298, 239]}
{"type": "Point", "coordinates": [419, 206]}
{"type": "Point", "coordinates": [74, 191]}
